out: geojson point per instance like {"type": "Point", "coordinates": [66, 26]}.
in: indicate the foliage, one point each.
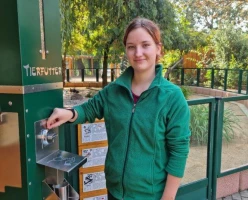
{"type": "Point", "coordinates": [96, 27]}
{"type": "Point", "coordinates": [229, 44]}
{"type": "Point", "coordinates": [108, 19]}
{"type": "Point", "coordinates": [228, 49]}
{"type": "Point", "coordinates": [204, 56]}
{"type": "Point", "coordinates": [199, 124]}
{"type": "Point", "coordinates": [188, 37]}
{"type": "Point", "coordinates": [186, 91]}
{"type": "Point", "coordinates": [210, 14]}
{"type": "Point", "coordinates": [233, 73]}
{"type": "Point", "coordinates": [170, 57]}
{"type": "Point", "coordinates": [72, 21]}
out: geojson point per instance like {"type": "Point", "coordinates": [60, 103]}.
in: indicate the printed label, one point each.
{"type": "Point", "coordinates": [93, 132]}
{"type": "Point", "coordinates": [94, 181]}
{"type": "Point", "coordinates": [95, 156]}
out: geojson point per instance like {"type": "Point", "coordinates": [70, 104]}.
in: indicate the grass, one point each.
{"type": "Point", "coordinates": [200, 122]}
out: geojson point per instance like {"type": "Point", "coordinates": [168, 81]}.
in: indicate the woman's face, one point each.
{"type": "Point", "coordinates": [141, 50]}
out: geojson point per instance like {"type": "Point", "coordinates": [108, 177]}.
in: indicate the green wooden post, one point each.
{"type": "Point", "coordinates": [30, 83]}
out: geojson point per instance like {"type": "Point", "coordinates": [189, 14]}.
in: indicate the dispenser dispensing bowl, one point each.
{"type": "Point", "coordinates": [63, 191]}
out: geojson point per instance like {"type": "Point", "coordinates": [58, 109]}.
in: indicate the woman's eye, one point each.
{"type": "Point", "coordinates": [130, 47]}
{"type": "Point", "coordinates": [146, 45]}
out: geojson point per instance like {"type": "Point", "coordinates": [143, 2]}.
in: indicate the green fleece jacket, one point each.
{"type": "Point", "coordinates": [146, 140]}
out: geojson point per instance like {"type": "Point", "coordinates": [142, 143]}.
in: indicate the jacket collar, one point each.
{"type": "Point", "coordinates": [125, 79]}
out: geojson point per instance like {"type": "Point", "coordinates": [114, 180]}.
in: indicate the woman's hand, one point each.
{"type": "Point", "coordinates": [58, 117]}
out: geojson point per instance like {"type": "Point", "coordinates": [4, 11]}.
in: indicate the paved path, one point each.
{"type": "Point", "coordinates": [243, 195]}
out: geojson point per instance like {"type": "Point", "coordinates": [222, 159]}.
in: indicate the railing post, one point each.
{"type": "Point", "coordinates": [112, 74]}
{"type": "Point", "coordinates": [211, 135]}
{"type": "Point", "coordinates": [217, 146]}
{"type": "Point", "coordinates": [67, 75]}
{"type": "Point", "coordinates": [198, 70]}
{"type": "Point", "coordinates": [182, 76]}
{"type": "Point", "coordinates": [240, 81]}
{"type": "Point", "coordinates": [82, 75]}
{"type": "Point", "coordinates": [97, 75]}
{"type": "Point", "coordinates": [212, 78]}
{"type": "Point", "coordinates": [225, 79]}
{"type": "Point", "coordinates": [246, 82]}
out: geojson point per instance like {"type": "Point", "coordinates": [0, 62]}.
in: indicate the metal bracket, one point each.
{"type": "Point", "coordinates": [46, 138]}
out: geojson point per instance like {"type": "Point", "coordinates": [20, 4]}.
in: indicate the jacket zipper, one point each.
{"type": "Point", "coordinates": [128, 141]}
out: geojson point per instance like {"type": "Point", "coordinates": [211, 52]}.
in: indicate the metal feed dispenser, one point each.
{"type": "Point", "coordinates": [55, 186]}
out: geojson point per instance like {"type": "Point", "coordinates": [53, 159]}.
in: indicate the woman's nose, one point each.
{"type": "Point", "coordinates": [138, 51]}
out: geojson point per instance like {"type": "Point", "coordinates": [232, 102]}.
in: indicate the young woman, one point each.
{"type": "Point", "coordinates": [147, 122]}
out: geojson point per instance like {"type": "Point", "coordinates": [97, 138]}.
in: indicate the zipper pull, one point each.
{"type": "Point", "coordinates": [133, 108]}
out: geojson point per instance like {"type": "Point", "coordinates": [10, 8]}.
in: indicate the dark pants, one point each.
{"type": "Point", "coordinates": [110, 197]}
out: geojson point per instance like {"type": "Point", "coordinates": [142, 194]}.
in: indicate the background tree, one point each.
{"type": "Point", "coordinates": [108, 19]}
{"type": "Point", "coordinates": [230, 43]}
{"type": "Point", "coordinates": [209, 14]}
{"type": "Point", "coordinates": [74, 17]}
{"type": "Point", "coordinates": [186, 39]}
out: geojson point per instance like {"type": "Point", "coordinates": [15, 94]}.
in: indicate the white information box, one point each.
{"type": "Point", "coordinates": [94, 132]}
{"type": "Point", "coordinates": [95, 156]}
{"type": "Point", "coordinates": [94, 181]}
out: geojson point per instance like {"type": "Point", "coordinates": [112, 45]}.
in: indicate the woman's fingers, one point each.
{"type": "Point", "coordinates": [54, 124]}
{"type": "Point", "coordinates": [58, 117]}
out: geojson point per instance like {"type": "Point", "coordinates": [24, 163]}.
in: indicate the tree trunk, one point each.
{"type": "Point", "coordinates": [63, 70]}
{"type": "Point", "coordinates": [64, 61]}
{"type": "Point", "coordinates": [105, 67]}
{"type": "Point", "coordinates": [170, 68]}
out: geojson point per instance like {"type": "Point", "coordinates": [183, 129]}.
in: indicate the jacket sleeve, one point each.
{"type": "Point", "coordinates": [91, 109]}
{"type": "Point", "coordinates": [178, 134]}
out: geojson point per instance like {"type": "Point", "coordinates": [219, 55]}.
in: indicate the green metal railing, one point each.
{"type": "Point", "coordinates": [214, 151]}
{"type": "Point", "coordinates": [206, 187]}
{"type": "Point", "coordinates": [89, 75]}
{"type": "Point", "coordinates": [234, 80]}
